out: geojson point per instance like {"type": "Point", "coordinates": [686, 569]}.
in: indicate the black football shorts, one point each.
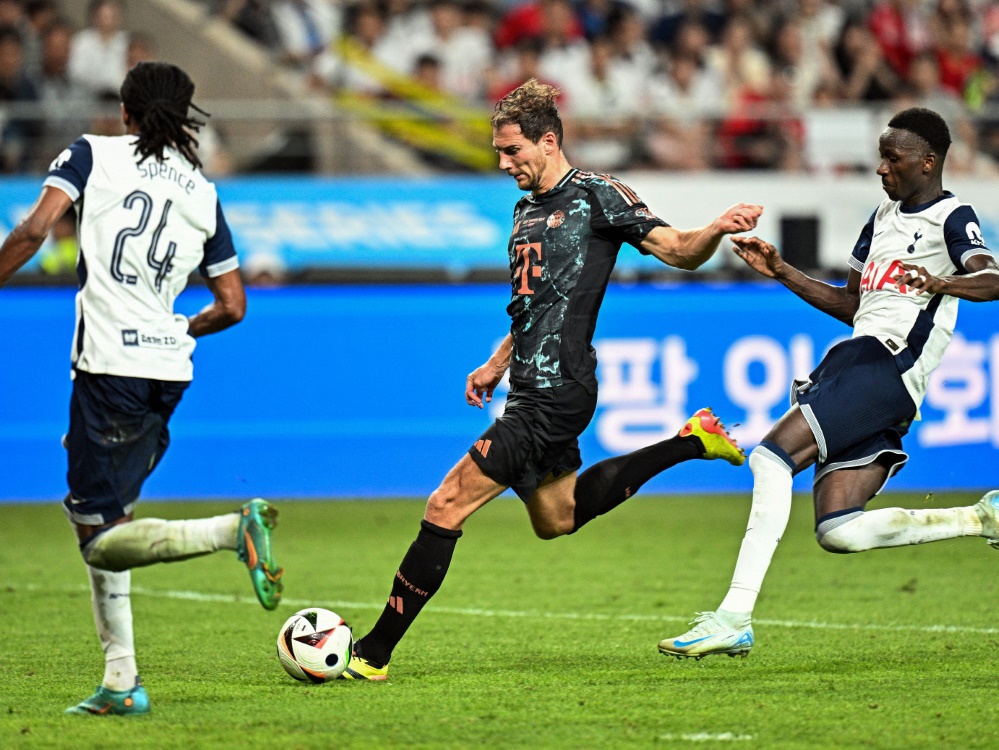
{"type": "Point", "coordinates": [117, 435]}
{"type": "Point", "coordinates": [536, 435]}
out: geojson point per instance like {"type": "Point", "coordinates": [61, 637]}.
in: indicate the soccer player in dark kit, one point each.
{"type": "Point", "coordinates": [566, 235]}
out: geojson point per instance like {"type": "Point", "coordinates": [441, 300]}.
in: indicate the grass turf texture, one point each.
{"type": "Point", "coordinates": [529, 643]}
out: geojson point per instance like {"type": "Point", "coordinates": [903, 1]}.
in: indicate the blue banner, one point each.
{"type": "Point", "coordinates": [358, 391]}
{"type": "Point", "coordinates": [451, 224]}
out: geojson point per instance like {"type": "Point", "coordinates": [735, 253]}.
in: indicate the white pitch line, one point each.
{"type": "Point", "coordinates": [199, 596]}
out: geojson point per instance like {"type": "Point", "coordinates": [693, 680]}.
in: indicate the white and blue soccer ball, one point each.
{"type": "Point", "coordinates": [314, 645]}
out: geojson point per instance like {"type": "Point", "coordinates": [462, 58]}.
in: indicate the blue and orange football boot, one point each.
{"type": "Point", "coordinates": [257, 519]}
{"type": "Point", "coordinates": [106, 702]}
{"type": "Point", "coordinates": [714, 437]}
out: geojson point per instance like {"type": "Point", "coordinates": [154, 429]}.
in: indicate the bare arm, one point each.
{"type": "Point", "coordinates": [980, 285]}
{"type": "Point", "coordinates": [484, 379]}
{"type": "Point", "coordinates": [29, 234]}
{"type": "Point", "coordinates": [691, 248]}
{"type": "Point", "coordinates": [227, 309]}
{"type": "Point", "coordinates": [838, 301]}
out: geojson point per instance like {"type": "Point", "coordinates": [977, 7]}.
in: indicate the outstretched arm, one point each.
{"type": "Point", "coordinates": [227, 309]}
{"type": "Point", "coordinates": [29, 234]}
{"type": "Point", "coordinates": [483, 380]}
{"type": "Point", "coordinates": [980, 285]}
{"type": "Point", "coordinates": [838, 301]}
{"type": "Point", "coordinates": [691, 248]}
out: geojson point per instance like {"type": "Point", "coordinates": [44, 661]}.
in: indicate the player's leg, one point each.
{"type": "Point", "coordinates": [464, 490]}
{"type": "Point", "coordinates": [136, 414]}
{"type": "Point", "coordinates": [842, 525]}
{"type": "Point", "coordinates": [789, 447]}
{"type": "Point", "coordinates": [607, 484]}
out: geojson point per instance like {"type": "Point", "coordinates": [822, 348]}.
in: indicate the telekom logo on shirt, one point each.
{"type": "Point", "coordinates": [528, 267]}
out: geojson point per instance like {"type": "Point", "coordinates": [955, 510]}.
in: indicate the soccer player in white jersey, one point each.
{"type": "Point", "coordinates": [920, 252]}
{"type": "Point", "coordinates": [147, 219]}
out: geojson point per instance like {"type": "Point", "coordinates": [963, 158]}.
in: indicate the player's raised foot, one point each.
{"type": "Point", "coordinates": [714, 437]}
{"type": "Point", "coordinates": [359, 668]}
{"type": "Point", "coordinates": [988, 510]}
{"type": "Point", "coordinates": [712, 633]}
{"type": "Point", "coordinates": [257, 519]}
{"type": "Point", "coordinates": [106, 702]}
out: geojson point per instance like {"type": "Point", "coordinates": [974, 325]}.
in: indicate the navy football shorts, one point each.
{"type": "Point", "coordinates": [117, 435]}
{"type": "Point", "coordinates": [857, 406]}
{"type": "Point", "coordinates": [536, 435]}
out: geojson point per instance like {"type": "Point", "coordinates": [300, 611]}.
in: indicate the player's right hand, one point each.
{"type": "Point", "coordinates": [761, 256]}
{"type": "Point", "coordinates": [480, 384]}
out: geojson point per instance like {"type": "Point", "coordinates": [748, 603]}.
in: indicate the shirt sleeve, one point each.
{"type": "Point", "coordinates": [71, 169]}
{"type": "Point", "coordinates": [618, 212]}
{"type": "Point", "coordinates": [963, 235]}
{"type": "Point", "coordinates": [220, 253]}
{"type": "Point", "coordinates": [863, 247]}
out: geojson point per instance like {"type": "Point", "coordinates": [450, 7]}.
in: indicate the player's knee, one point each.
{"type": "Point", "coordinates": [443, 507]}
{"type": "Point", "coordinates": [552, 528]}
{"type": "Point", "coordinates": [97, 555]}
{"type": "Point", "coordinates": [840, 538]}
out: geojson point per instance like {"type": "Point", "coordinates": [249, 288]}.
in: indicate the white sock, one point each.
{"type": "Point", "coordinates": [897, 527]}
{"type": "Point", "coordinates": [152, 540]}
{"type": "Point", "coordinates": [109, 594]}
{"type": "Point", "coordinates": [767, 521]}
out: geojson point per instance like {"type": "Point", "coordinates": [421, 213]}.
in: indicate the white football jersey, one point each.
{"type": "Point", "coordinates": [940, 236]}
{"type": "Point", "coordinates": [143, 228]}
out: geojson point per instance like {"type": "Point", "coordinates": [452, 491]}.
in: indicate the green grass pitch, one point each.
{"type": "Point", "coordinates": [529, 644]}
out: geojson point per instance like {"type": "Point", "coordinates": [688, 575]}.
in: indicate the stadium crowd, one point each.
{"type": "Point", "coordinates": [672, 84]}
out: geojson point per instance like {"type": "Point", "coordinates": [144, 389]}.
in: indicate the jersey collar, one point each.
{"type": "Point", "coordinates": [557, 186]}
{"type": "Point", "coordinates": [923, 206]}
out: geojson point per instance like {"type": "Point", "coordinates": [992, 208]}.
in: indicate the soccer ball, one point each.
{"type": "Point", "coordinates": [314, 645]}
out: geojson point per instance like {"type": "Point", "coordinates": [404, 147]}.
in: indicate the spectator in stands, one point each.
{"type": "Point", "coordinates": [804, 69]}
{"type": "Point", "coordinates": [252, 17]}
{"type": "Point", "coordinates": [533, 19]}
{"type": "Point", "coordinates": [305, 29]}
{"type": "Point", "coordinates": [665, 31]}
{"type": "Point", "coordinates": [684, 99]}
{"type": "Point", "coordinates": [865, 75]}
{"type": "Point", "coordinates": [463, 53]}
{"type": "Point", "coordinates": [39, 15]}
{"type": "Point", "coordinates": [628, 35]}
{"type": "Point", "coordinates": [18, 134]}
{"type": "Point", "coordinates": [821, 22]}
{"type": "Point", "coordinates": [67, 104]}
{"type": "Point", "coordinates": [565, 51]}
{"type": "Point", "coordinates": [604, 110]}
{"type": "Point", "coordinates": [692, 39]}
{"type": "Point", "coordinates": [956, 57]}
{"type": "Point", "coordinates": [141, 48]}
{"type": "Point", "coordinates": [762, 130]}
{"type": "Point", "coordinates": [594, 15]}
{"type": "Point", "coordinates": [737, 63]}
{"type": "Point", "coordinates": [520, 66]}
{"type": "Point", "coordinates": [366, 30]}
{"type": "Point", "coordinates": [902, 31]}
{"type": "Point", "coordinates": [97, 59]}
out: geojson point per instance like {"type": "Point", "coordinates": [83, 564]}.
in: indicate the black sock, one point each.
{"type": "Point", "coordinates": [606, 485]}
{"type": "Point", "coordinates": [420, 575]}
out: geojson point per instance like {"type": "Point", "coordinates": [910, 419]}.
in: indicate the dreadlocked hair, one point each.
{"type": "Point", "coordinates": [532, 107]}
{"type": "Point", "coordinates": [158, 96]}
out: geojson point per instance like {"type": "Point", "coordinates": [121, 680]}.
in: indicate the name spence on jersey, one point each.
{"type": "Point", "coordinates": [161, 170]}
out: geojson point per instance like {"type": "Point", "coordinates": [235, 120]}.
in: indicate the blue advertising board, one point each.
{"type": "Point", "coordinates": [358, 391]}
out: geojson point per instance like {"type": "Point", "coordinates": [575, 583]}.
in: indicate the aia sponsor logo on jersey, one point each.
{"type": "Point", "coordinates": [556, 219]}
{"type": "Point", "coordinates": [883, 275]}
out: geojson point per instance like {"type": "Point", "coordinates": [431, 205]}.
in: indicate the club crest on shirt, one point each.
{"type": "Point", "coordinates": [644, 213]}
{"type": "Point", "coordinates": [556, 219]}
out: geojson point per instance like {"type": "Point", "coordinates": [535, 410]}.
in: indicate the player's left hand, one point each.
{"type": "Point", "coordinates": [919, 279]}
{"type": "Point", "coordinates": [739, 218]}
